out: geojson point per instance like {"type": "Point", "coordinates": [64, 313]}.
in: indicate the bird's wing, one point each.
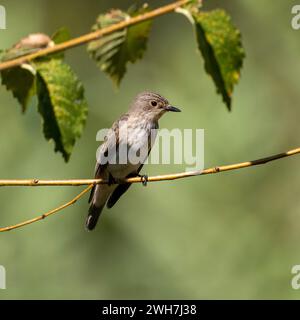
{"type": "Point", "coordinates": [122, 188]}
{"type": "Point", "coordinates": [99, 168]}
{"type": "Point", "coordinates": [111, 139]}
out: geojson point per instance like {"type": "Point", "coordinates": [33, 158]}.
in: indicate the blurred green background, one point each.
{"type": "Point", "coordinates": [231, 235]}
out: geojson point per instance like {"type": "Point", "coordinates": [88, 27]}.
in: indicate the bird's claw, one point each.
{"type": "Point", "coordinates": [144, 179]}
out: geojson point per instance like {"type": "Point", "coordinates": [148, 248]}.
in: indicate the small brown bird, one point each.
{"type": "Point", "coordinates": [134, 131]}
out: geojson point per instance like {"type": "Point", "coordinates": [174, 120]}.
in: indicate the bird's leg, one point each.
{"type": "Point", "coordinates": [144, 178]}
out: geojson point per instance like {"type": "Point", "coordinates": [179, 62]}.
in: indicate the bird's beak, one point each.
{"type": "Point", "coordinates": [171, 108]}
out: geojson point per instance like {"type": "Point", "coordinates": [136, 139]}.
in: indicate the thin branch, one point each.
{"type": "Point", "coordinates": [92, 182]}
{"type": "Point", "coordinates": [172, 176]}
{"type": "Point", "coordinates": [93, 35]}
{"type": "Point", "coordinates": [49, 213]}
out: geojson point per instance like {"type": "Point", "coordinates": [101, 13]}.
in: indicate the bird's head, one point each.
{"type": "Point", "coordinates": [151, 105]}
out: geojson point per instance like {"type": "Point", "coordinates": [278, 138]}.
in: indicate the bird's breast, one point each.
{"type": "Point", "coordinates": [135, 141]}
{"type": "Point", "coordinates": [138, 133]}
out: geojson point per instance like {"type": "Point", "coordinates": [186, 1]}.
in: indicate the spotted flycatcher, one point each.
{"type": "Point", "coordinates": [124, 151]}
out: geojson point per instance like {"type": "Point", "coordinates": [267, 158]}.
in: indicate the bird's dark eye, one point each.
{"type": "Point", "coordinates": [153, 103]}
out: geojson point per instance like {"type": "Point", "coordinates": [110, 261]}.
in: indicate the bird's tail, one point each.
{"type": "Point", "coordinates": [93, 216]}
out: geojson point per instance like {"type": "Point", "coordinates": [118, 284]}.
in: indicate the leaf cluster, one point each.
{"type": "Point", "coordinates": [60, 93]}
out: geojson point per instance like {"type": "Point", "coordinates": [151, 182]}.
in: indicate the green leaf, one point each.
{"type": "Point", "coordinates": [220, 44]}
{"type": "Point", "coordinates": [21, 81]}
{"type": "Point", "coordinates": [61, 104]}
{"type": "Point", "coordinates": [14, 53]}
{"type": "Point", "coordinates": [114, 51]}
{"type": "Point", "coordinates": [61, 35]}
